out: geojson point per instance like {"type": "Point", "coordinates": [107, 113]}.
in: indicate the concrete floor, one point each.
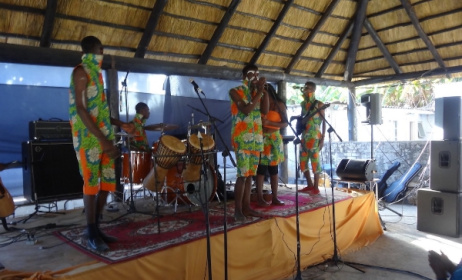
{"type": "Point", "coordinates": [400, 253]}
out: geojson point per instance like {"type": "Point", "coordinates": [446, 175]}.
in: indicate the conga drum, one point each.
{"type": "Point", "coordinates": [169, 151]}
{"type": "Point", "coordinates": [195, 148]}
{"type": "Point", "coordinates": [155, 179]}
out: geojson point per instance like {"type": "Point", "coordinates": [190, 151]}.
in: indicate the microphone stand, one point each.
{"type": "Point", "coordinates": [296, 141]}
{"type": "Point", "coordinates": [225, 222]}
{"type": "Point", "coordinates": [205, 207]}
{"type": "Point", "coordinates": [297, 215]}
{"type": "Point", "coordinates": [335, 257]}
{"type": "Point", "coordinates": [209, 259]}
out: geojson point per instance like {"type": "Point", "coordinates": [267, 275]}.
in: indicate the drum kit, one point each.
{"type": "Point", "coordinates": [173, 167]}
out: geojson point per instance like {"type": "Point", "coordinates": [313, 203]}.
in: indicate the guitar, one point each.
{"type": "Point", "coordinates": [6, 201]}
{"type": "Point", "coordinates": [301, 121]}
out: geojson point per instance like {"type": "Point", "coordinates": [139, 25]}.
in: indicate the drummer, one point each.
{"type": "Point", "coordinates": [139, 141]}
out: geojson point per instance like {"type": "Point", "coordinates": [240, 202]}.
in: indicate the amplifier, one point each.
{"type": "Point", "coordinates": [52, 130]}
{"type": "Point", "coordinates": [50, 172]}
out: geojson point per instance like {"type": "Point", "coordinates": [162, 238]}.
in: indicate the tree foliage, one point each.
{"type": "Point", "coordinates": [407, 94]}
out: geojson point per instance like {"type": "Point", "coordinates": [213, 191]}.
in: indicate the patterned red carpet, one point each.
{"type": "Point", "coordinates": [139, 234]}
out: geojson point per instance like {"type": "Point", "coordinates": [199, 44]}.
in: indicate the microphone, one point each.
{"type": "Point", "coordinates": [124, 82]}
{"type": "Point", "coordinates": [294, 117]}
{"type": "Point", "coordinates": [196, 87]}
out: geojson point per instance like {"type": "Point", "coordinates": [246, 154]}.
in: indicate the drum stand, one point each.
{"type": "Point", "coordinates": [178, 195]}
{"type": "Point", "coordinates": [131, 203]}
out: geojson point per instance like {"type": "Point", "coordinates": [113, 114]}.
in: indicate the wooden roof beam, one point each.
{"type": "Point", "coordinates": [409, 76]}
{"type": "Point", "coordinates": [335, 49]}
{"type": "Point", "coordinates": [354, 42]}
{"type": "Point", "coordinates": [48, 23]}
{"type": "Point", "coordinates": [58, 57]}
{"type": "Point", "coordinates": [150, 28]}
{"type": "Point", "coordinates": [272, 32]}
{"type": "Point", "coordinates": [381, 46]}
{"type": "Point", "coordinates": [415, 21]}
{"type": "Point", "coordinates": [219, 32]}
{"type": "Point", "coordinates": [310, 38]}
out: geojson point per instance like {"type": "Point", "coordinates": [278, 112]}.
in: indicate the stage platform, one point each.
{"type": "Point", "coordinates": [260, 248]}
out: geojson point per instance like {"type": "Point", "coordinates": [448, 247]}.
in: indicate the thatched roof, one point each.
{"type": "Point", "coordinates": [339, 40]}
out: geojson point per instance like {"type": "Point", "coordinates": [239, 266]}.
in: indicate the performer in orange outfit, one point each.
{"type": "Point", "coordinates": [139, 142]}
{"type": "Point", "coordinates": [273, 152]}
{"type": "Point", "coordinates": [312, 138]}
{"type": "Point", "coordinates": [93, 138]}
{"type": "Point", "coordinates": [248, 102]}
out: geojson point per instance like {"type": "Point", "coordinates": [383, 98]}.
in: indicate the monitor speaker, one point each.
{"type": "Point", "coordinates": [373, 104]}
{"type": "Point", "coordinates": [448, 115]}
{"type": "Point", "coordinates": [445, 167]}
{"type": "Point", "coordinates": [50, 172]}
{"type": "Point", "coordinates": [439, 212]}
{"type": "Point", "coordinates": [356, 169]}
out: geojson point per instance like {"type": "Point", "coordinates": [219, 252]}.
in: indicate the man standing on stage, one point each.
{"type": "Point", "coordinates": [312, 138]}
{"type": "Point", "coordinates": [93, 138]}
{"type": "Point", "coordinates": [248, 102]}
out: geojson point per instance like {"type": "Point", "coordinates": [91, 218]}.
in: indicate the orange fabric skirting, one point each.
{"type": "Point", "coordinates": [264, 250]}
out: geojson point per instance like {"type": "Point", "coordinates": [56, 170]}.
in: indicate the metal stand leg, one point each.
{"type": "Point", "coordinates": [178, 195]}
{"type": "Point", "coordinates": [374, 187]}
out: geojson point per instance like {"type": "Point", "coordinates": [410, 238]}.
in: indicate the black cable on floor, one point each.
{"type": "Point", "coordinates": [392, 269]}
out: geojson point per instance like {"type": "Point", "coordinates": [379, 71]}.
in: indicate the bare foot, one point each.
{"type": "Point", "coordinates": [277, 202]}
{"type": "Point", "coordinates": [252, 213]}
{"type": "Point", "coordinates": [262, 203]}
{"type": "Point", "coordinates": [239, 218]}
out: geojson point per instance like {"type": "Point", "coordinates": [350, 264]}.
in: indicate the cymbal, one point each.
{"type": "Point", "coordinates": [123, 134]}
{"type": "Point", "coordinates": [160, 127]}
{"type": "Point", "coordinates": [201, 124]}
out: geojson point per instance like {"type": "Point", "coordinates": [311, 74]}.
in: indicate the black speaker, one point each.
{"type": "Point", "coordinates": [356, 169]}
{"type": "Point", "coordinates": [50, 172]}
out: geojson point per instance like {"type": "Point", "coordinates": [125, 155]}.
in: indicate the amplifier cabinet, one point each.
{"type": "Point", "coordinates": [50, 130]}
{"type": "Point", "coordinates": [445, 168]}
{"type": "Point", "coordinates": [51, 172]}
{"type": "Point", "coordinates": [439, 212]}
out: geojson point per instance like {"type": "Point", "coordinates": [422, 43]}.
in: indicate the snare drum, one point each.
{"type": "Point", "coordinates": [169, 151]}
{"type": "Point", "coordinates": [195, 148]}
{"type": "Point", "coordinates": [140, 164]}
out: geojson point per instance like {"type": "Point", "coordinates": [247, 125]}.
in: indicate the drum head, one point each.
{"type": "Point", "coordinates": [198, 191]}
{"type": "Point", "coordinates": [207, 142]}
{"type": "Point", "coordinates": [173, 143]}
